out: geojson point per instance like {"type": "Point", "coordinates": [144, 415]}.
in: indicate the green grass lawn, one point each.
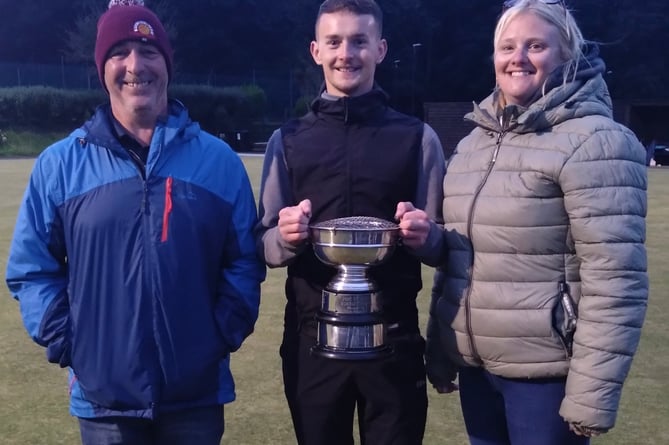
{"type": "Point", "coordinates": [33, 393]}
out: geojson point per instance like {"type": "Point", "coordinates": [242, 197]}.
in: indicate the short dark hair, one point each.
{"type": "Point", "coordinates": [357, 7]}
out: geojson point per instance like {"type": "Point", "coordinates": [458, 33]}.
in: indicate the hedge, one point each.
{"type": "Point", "coordinates": [38, 108]}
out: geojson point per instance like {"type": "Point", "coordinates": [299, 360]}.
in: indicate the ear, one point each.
{"type": "Point", "coordinates": [383, 50]}
{"type": "Point", "coordinates": [315, 54]}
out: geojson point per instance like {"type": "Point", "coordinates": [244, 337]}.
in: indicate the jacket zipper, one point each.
{"type": "Point", "coordinates": [142, 170]}
{"type": "Point", "coordinates": [468, 309]}
{"type": "Point", "coordinates": [349, 186]}
{"type": "Point", "coordinates": [141, 165]}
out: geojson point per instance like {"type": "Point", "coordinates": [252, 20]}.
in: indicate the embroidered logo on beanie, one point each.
{"type": "Point", "coordinates": [143, 27]}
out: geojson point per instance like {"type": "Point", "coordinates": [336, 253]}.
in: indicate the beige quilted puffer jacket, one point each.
{"type": "Point", "coordinates": [544, 213]}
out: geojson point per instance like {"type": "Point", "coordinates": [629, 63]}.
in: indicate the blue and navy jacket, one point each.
{"type": "Point", "coordinates": [142, 286]}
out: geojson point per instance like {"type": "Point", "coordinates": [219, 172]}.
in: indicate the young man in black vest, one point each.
{"type": "Point", "coordinates": [350, 155]}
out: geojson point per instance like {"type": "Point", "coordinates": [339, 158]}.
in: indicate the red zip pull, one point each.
{"type": "Point", "coordinates": [168, 208]}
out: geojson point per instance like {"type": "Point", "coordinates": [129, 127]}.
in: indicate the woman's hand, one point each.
{"type": "Point", "coordinates": [585, 431]}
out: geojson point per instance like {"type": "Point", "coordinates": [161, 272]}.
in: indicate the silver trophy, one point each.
{"type": "Point", "coordinates": [350, 322]}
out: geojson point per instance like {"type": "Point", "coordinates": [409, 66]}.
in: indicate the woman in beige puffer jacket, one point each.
{"type": "Point", "coordinates": [543, 277]}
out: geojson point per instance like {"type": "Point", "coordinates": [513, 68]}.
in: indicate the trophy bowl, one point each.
{"type": "Point", "coordinates": [355, 240]}
{"type": "Point", "coordinates": [350, 322]}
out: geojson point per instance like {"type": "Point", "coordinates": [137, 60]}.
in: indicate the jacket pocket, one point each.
{"type": "Point", "coordinates": [564, 317]}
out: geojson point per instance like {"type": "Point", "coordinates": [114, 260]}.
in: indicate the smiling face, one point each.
{"type": "Point", "coordinates": [527, 51]}
{"type": "Point", "coordinates": [136, 77]}
{"type": "Point", "coordinates": [348, 47]}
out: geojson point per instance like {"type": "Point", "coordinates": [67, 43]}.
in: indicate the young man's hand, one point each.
{"type": "Point", "coordinates": [414, 225]}
{"type": "Point", "coordinates": [294, 223]}
{"type": "Point", "coordinates": [447, 388]}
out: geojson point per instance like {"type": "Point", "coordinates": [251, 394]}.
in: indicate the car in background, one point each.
{"type": "Point", "coordinates": [661, 154]}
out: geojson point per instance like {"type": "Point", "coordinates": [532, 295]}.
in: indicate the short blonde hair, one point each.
{"type": "Point", "coordinates": [572, 42]}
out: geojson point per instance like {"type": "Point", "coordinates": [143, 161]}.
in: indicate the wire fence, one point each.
{"type": "Point", "coordinates": [279, 87]}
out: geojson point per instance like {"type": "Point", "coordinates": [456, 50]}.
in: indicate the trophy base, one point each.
{"type": "Point", "coordinates": [351, 337]}
{"type": "Point", "coordinates": [352, 355]}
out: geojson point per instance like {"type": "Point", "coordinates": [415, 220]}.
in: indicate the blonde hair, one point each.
{"type": "Point", "coordinates": [572, 42]}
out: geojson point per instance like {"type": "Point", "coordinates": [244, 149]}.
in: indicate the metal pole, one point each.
{"type": "Point", "coordinates": [290, 92]}
{"type": "Point", "coordinates": [62, 69]}
{"type": "Point", "coordinates": [396, 79]}
{"type": "Point", "coordinates": [415, 47]}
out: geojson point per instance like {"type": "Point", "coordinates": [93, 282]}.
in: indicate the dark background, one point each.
{"type": "Point", "coordinates": [439, 50]}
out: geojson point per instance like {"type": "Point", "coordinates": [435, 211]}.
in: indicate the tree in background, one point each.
{"type": "Point", "coordinates": [31, 30]}
{"type": "Point", "coordinates": [80, 38]}
{"type": "Point", "coordinates": [214, 38]}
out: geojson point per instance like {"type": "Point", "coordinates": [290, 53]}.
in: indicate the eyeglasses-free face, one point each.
{"type": "Point", "coordinates": [349, 47]}
{"type": "Point", "coordinates": [527, 52]}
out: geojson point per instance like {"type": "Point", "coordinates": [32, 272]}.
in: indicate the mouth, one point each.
{"type": "Point", "coordinates": [136, 84]}
{"type": "Point", "coordinates": [347, 69]}
{"type": "Point", "coordinates": [520, 73]}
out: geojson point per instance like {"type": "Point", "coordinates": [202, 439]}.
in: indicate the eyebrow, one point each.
{"type": "Point", "coordinates": [339, 36]}
{"type": "Point", "coordinates": [524, 39]}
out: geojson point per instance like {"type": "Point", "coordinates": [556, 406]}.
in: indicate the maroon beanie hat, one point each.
{"type": "Point", "coordinates": [128, 20]}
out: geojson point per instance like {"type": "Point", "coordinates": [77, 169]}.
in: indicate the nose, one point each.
{"type": "Point", "coordinates": [134, 62]}
{"type": "Point", "coordinates": [519, 55]}
{"type": "Point", "coordinates": [345, 49]}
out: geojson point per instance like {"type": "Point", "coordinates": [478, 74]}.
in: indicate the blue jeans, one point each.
{"type": "Point", "coordinates": [501, 411]}
{"type": "Point", "coordinates": [197, 426]}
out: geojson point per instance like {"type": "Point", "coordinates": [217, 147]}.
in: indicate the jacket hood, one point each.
{"type": "Point", "coordinates": [585, 93]}
{"type": "Point", "coordinates": [98, 130]}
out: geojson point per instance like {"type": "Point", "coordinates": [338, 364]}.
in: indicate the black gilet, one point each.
{"type": "Point", "coordinates": [355, 156]}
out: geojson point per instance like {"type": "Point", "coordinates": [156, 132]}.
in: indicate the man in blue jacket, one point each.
{"type": "Point", "coordinates": [133, 257]}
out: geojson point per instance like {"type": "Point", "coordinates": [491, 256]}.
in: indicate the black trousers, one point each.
{"type": "Point", "coordinates": [389, 393]}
